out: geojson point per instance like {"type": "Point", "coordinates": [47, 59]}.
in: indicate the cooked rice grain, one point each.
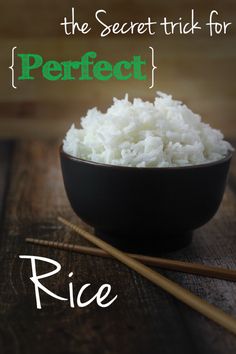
{"type": "Point", "coordinates": [165, 133]}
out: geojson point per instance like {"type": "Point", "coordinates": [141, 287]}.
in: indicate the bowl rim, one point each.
{"type": "Point", "coordinates": [130, 168]}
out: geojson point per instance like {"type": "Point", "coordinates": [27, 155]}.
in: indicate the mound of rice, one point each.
{"type": "Point", "coordinates": [165, 133]}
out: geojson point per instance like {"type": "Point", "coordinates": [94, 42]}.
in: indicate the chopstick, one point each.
{"type": "Point", "coordinates": [182, 294]}
{"type": "Point", "coordinates": [175, 265]}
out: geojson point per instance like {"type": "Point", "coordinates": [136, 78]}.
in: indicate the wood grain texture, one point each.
{"type": "Point", "coordinates": [196, 69]}
{"type": "Point", "coordinates": [44, 18]}
{"type": "Point", "coordinates": [144, 319]}
{"type": "Point", "coordinates": [5, 160]}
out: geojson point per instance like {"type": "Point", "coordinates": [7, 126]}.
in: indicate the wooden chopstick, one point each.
{"type": "Point", "coordinates": [175, 265]}
{"type": "Point", "coordinates": [182, 294]}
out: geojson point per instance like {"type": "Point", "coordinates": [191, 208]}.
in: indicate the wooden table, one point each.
{"type": "Point", "coordinates": [144, 319]}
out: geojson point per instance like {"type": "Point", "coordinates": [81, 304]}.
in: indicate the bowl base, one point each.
{"type": "Point", "coordinates": [148, 245]}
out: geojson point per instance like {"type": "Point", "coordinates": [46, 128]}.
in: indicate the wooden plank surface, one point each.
{"type": "Point", "coordinates": [117, 11]}
{"type": "Point", "coordinates": [194, 68]}
{"type": "Point", "coordinates": [144, 319]}
{"type": "Point", "coordinates": [5, 160]}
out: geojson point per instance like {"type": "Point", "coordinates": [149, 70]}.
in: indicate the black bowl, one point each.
{"type": "Point", "coordinates": [147, 210]}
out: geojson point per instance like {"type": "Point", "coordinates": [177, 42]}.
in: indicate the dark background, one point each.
{"type": "Point", "coordinates": [194, 68]}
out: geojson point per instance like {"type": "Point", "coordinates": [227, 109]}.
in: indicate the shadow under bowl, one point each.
{"type": "Point", "coordinates": [144, 210]}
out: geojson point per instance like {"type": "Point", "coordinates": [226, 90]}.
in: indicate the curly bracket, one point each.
{"type": "Point", "coordinates": [154, 67]}
{"type": "Point", "coordinates": [12, 67]}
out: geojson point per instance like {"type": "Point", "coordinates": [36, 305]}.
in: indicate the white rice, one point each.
{"type": "Point", "coordinates": [165, 133]}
